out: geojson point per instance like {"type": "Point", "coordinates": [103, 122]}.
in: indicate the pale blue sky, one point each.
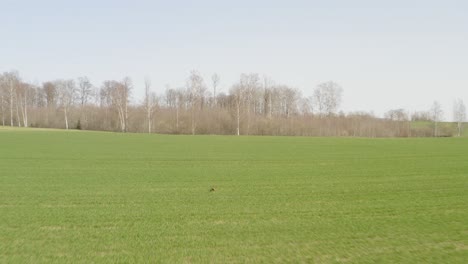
{"type": "Point", "coordinates": [385, 54]}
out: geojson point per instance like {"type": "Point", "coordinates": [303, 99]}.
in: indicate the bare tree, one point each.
{"type": "Point", "coordinates": [22, 93]}
{"type": "Point", "coordinates": [250, 85]}
{"type": "Point", "coordinates": [267, 97]}
{"type": "Point", "coordinates": [85, 90]}
{"type": "Point", "coordinates": [50, 91]}
{"type": "Point", "coordinates": [11, 80]}
{"type": "Point", "coordinates": [327, 97]}
{"type": "Point", "coordinates": [66, 95]}
{"type": "Point", "coordinates": [197, 89]}
{"type": "Point", "coordinates": [215, 82]}
{"type": "Point", "coordinates": [396, 115]}
{"type": "Point", "coordinates": [171, 97]}
{"type": "Point", "coordinates": [290, 98]}
{"type": "Point", "coordinates": [175, 101]}
{"type": "Point", "coordinates": [421, 116]}
{"type": "Point", "coordinates": [105, 102]}
{"type": "Point", "coordinates": [244, 95]}
{"type": "Point", "coordinates": [17, 105]}
{"type": "Point", "coordinates": [400, 120]}
{"type": "Point", "coordinates": [180, 101]}
{"type": "Point", "coordinates": [238, 93]}
{"type": "Point", "coordinates": [149, 103]}
{"type": "Point", "coordinates": [2, 98]}
{"type": "Point", "coordinates": [126, 89]}
{"type": "Point", "coordinates": [306, 106]}
{"type": "Point", "coordinates": [2, 102]}
{"type": "Point", "coordinates": [459, 114]}
{"type": "Point", "coordinates": [117, 95]}
{"type": "Point", "coordinates": [250, 107]}
{"type": "Point", "coordinates": [436, 115]}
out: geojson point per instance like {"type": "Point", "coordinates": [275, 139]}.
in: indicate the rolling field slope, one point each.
{"type": "Point", "coordinates": [107, 197]}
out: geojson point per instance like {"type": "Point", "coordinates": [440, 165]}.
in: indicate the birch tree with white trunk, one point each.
{"type": "Point", "coordinates": [22, 95]}
{"type": "Point", "coordinates": [11, 80]}
{"type": "Point", "coordinates": [436, 115]}
{"type": "Point", "coordinates": [118, 96]}
{"type": "Point", "coordinates": [66, 94]}
{"type": "Point", "coordinates": [2, 99]}
{"type": "Point", "coordinates": [150, 103]}
{"type": "Point", "coordinates": [250, 85]}
{"type": "Point", "coordinates": [459, 114]}
{"type": "Point", "coordinates": [196, 89]}
{"type": "Point", "coordinates": [238, 94]}
{"type": "Point", "coordinates": [215, 82]}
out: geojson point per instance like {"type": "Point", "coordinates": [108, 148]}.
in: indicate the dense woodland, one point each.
{"type": "Point", "coordinates": [253, 106]}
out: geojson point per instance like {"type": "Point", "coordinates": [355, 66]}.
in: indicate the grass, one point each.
{"type": "Point", "coordinates": [87, 197]}
{"type": "Point", "coordinates": [446, 128]}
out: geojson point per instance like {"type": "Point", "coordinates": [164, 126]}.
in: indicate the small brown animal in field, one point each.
{"type": "Point", "coordinates": [212, 189]}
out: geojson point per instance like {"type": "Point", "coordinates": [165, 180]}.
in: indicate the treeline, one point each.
{"type": "Point", "coordinates": [253, 106]}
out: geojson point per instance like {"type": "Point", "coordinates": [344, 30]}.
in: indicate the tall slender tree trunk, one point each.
{"type": "Point", "coordinates": [83, 116]}
{"type": "Point", "coordinates": [17, 113]}
{"type": "Point", "coordinates": [107, 122]}
{"type": "Point", "coordinates": [66, 117]}
{"type": "Point", "coordinates": [47, 116]}
{"type": "Point", "coordinates": [177, 119]}
{"type": "Point", "coordinates": [23, 115]}
{"type": "Point", "coordinates": [3, 111]}
{"type": "Point", "coordinates": [193, 119]}
{"type": "Point", "coordinates": [126, 117]}
{"type": "Point", "coordinates": [214, 96]}
{"type": "Point", "coordinates": [25, 111]}
{"type": "Point", "coordinates": [248, 117]}
{"type": "Point", "coordinates": [149, 120]}
{"type": "Point", "coordinates": [238, 119]}
{"type": "Point", "coordinates": [121, 119]}
{"type": "Point", "coordinates": [193, 124]}
{"type": "Point", "coordinates": [270, 107]}
{"type": "Point", "coordinates": [11, 107]}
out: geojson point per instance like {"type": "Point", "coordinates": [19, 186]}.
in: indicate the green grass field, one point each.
{"type": "Point", "coordinates": [105, 197]}
{"type": "Point", "coordinates": [445, 128]}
